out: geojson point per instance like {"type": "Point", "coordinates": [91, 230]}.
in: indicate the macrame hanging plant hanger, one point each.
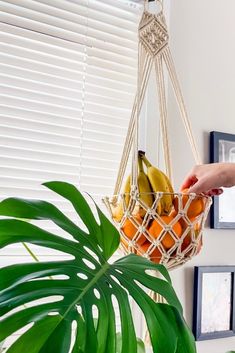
{"type": "Point", "coordinates": [154, 53]}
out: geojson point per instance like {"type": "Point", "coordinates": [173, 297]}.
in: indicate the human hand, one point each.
{"type": "Point", "coordinates": [209, 178]}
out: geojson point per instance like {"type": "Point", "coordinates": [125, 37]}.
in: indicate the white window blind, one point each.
{"type": "Point", "coordinates": [67, 83]}
{"type": "Point", "coordinates": [68, 74]}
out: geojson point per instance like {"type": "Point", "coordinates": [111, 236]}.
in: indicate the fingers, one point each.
{"type": "Point", "coordinates": [206, 179]}
{"type": "Point", "coordinates": [201, 186]}
{"type": "Point", "coordinates": [188, 182]}
{"type": "Point", "coordinates": [214, 192]}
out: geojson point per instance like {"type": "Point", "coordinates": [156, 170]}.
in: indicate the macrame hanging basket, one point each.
{"type": "Point", "coordinates": [181, 238]}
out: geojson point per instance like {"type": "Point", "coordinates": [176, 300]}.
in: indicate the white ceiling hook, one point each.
{"type": "Point", "coordinates": [159, 3]}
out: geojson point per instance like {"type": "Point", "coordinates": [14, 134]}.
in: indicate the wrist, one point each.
{"type": "Point", "coordinates": [229, 174]}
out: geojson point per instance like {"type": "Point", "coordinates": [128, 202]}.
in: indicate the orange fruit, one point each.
{"type": "Point", "coordinates": [196, 206]}
{"type": "Point", "coordinates": [155, 256]}
{"type": "Point", "coordinates": [186, 242]}
{"type": "Point", "coordinates": [130, 229]}
{"type": "Point", "coordinates": [188, 239]}
{"type": "Point", "coordinates": [173, 213]}
{"type": "Point", "coordinates": [197, 228]}
{"type": "Point", "coordinates": [156, 228]}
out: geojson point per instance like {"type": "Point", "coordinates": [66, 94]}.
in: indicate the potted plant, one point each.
{"type": "Point", "coordinates": [89, 280]}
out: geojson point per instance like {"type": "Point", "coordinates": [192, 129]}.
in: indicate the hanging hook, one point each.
{"type": "Point", "coordinates": [158, 2]}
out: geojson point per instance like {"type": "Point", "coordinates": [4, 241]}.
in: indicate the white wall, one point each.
{"type": "Point", "coordinates": [203, 46]}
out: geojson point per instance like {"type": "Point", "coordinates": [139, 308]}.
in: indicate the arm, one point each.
{"type": "Point", "coordinates": [209, 178]}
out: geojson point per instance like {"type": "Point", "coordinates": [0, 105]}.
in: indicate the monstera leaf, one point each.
{"type": "Point", "coordinates": [70, 323]}
{"type": "Point", "coordinates": [140, 344]}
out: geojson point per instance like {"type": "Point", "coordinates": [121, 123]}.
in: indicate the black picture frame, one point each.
{"type": "Point", "coordinates": [221, 144]}
{"type": "Point", "coordinates": [208, 289]}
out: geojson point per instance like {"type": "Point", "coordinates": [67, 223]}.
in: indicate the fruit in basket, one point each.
{"type": "Point", "coordinates": [127, 190]}
{"type": "Point", "coordinates": [118, 209]}
{"type": "Point", "coordinates": [195, 208]}
{"type": "Point", "coordinates": [156, 230]}
{"type": "Point", "coordinates": [117, 212]}
{"type": "Point", "coordinates": [188, 239]}
{"type": "Point", "coordinates": [130, 228]}
{"type": "Point", "coordinates": [173, 213]}
{"type": "Point", "coordinates": [159, 183]}
{"type": "Point", "coordinates": [145, 195]}
{"type": "Point", "coordinates": [154, 256]}
{"type": "Point", "coordinates": [145, 190]}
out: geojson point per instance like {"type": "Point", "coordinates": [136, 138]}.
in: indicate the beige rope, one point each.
{"type": "Point", "coordinates": [180, 100]}
{"type": "Point", "coordinates": [163, 114]}
{"type": "Point", "coordinates": [129, 138]}
{"type": "Point", "coordinates": [134, 167]}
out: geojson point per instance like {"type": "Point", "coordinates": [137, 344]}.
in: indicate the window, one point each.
{"type": "Point", "coordinates": [68, 78]}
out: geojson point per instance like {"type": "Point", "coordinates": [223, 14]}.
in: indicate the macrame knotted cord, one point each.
{"type": "Point", "coordinates": [153, 50]}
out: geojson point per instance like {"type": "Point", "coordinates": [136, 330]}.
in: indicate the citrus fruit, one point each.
{"type": "Point", "coordinates": [195, 208]}
{"type": "Point", "coordinates": [156, 229]}
{"type": "Point", "coordinates": [130, 229]}
{"type": "Point", "coordinates": [155, 255]}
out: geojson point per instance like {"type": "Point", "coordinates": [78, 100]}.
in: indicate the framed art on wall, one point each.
{"type": "Point", "coordinates": [214, 302]}
{"type": "Point", "coordinates": [222, 149]}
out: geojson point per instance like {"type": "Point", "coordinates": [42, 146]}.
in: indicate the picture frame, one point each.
{"type": "Point", "coordinates": [214, 302]}
{"type": "Point", "coordinates": [222, 149]}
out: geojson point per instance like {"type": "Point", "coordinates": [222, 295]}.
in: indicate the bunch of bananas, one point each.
{"type": "Point", "coordinates": [153, 181]}
{"type": "Point", "coordinates": [159, 183]}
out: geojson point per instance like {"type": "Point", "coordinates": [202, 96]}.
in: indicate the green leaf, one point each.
{"type": "Point", "coordinates": [140, 344]}
{"type": "Point", "coordinates": [89, 281]}
{"type": "Point", "coordinates": [1, 347]}
{"type": "Point", "coordinates": [108, 240]}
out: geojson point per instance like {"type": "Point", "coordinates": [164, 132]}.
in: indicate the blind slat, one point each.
{"type": "Point", "coordinates": [69, 34]}
{"type": "Point", "coordinates": [59, 148]}
{"type": "Point", "coordinates": [21, 89]}
{"type": "Point", "coordinates": [12, 35]}
{"type": "Point", "coordinates": [58, 65]}
{"type": "Point", "coordinates": [23, 78]}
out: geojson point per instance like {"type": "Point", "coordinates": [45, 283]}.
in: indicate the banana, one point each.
{"type": "Point", "coordinates": [127, 190]}
{"type": "Point", "coordinates": [118, 210]}
{"type": "Point", "coordinates": [170, 187]}
{"type": "Point", "coordinates": [144, 187]}
{"type": "Point", "coordinates": [145, 195]}
{"type": "Point", "coordinates": [159, 183]}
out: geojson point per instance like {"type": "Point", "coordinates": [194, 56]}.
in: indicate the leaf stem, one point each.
{"type": "Point", "coordinates": [99, 274]}
{"type": "Point", "coordinates": [30, 252]}
{"type": "Point", "coordinates": [33, 256]}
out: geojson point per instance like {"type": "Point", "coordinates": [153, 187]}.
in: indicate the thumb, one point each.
{"type": "Point", "coordinates": [189, 181]}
